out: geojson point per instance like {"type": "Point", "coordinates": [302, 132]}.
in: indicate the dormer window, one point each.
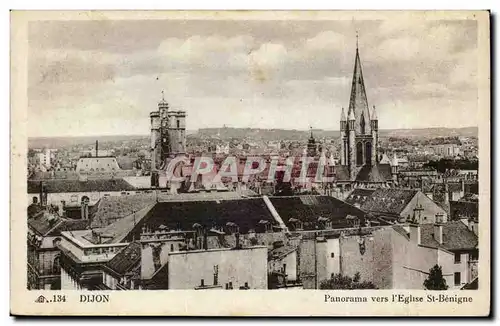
{"type": "Point", "coordinates": [362, 123]}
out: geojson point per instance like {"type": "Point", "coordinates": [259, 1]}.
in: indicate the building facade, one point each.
{"type": "Point", "coordinates": [168, 134]}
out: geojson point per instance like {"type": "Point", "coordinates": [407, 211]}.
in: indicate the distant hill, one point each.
{"type": "Point", "coordinates": [56, 142]}
{"type": "Point", "coordinates": [253, 133]}
{"type": "Point", "coordinates": [273, 134]}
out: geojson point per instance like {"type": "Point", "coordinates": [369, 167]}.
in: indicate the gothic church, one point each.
{"type": "Point", "coordinates": [359, 157]}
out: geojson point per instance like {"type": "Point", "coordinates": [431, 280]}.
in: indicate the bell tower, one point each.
{"type": "Point", "coordinates": [359, 132]}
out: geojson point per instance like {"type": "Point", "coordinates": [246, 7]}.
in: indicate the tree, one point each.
{"type": "Point", "coordinates": [341, 282]}
{"type": "Point", "coordinates": [435, 280]}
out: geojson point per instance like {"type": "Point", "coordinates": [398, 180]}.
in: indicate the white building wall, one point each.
{"type": "Point", "coordinates": [333, 256]}
{"type": "Point", "coordinates": [249, 265]}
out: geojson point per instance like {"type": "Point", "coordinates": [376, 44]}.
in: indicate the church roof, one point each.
{"type": "Point", "coordinates": [342, 172]}
{"type": "Point", "coordinates": [370, 174]}
{"type": "Point", "coordinates": [358, 103]}
{"type": "Point", "coordinates": [367, 173]}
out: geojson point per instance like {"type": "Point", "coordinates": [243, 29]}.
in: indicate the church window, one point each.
{"type": "Point", "coordinates": [362, 123]}
{"type": "Point", "coordinates": [359, 154]}
{"type": "Point", "coordinates": [368, 153]}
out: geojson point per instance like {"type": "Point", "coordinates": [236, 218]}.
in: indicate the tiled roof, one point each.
{"type": "Point", "coordinates": [33, 210]}
{"type": "Point", "coordinates": [342, 172]}
{"type": "Point", "coordinates": [52, 225]}
{"type": "Point", "coordinates": [369, 173]}
{"type": "Point", "coordinates": [126, 259]}
{"type": "Point", "coordinates": [464, 209]}
{"type": "Point", "coordinates": [359, 196]}
{"type": "Point", "coordinates": [122, 227]}
{"type": "Point", "coordinates": [388, 201]}
{"type": "Point", "coordinates": [310, 208]}
{"type": "Point", "coordinates": [109, 209]}
{"type": "Point", "coordinates": [456, 236]}
{"type": "Point", "coordinates": [61, 185]}
{"type": "Point", "coordinates": [385, 171]}
{"type": "Point", "coordinates": [246, 213]}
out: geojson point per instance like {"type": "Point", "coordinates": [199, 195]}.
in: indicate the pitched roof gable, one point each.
{"type": "Point", "coordinates": [389, 201]}
{"type": "Point", "coordinates": [112, 208]}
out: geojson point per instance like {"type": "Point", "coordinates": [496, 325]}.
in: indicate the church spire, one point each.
{"type": "Point", "coordinates": [351, 115]}
{"type": "Point", "coordinates": [374, 114]}
{"type": "Point", "coordinates": [342, 115]}
{"type": "Point", "coordinates": [358, 102]}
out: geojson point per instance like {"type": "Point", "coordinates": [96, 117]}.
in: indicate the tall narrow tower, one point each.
{"type": "Point", "coordinates": [155, 140]}
{"type": "Point", "coordinates": [165, 137]}
{"type": "Point", "coordinates": [360, 138]}
{"type": "Point", "coordinates": [374, 126]}
{"type": "Point", "coordinates": [343, 138]}
{"type": "Point", "coordinates": [351, 121]}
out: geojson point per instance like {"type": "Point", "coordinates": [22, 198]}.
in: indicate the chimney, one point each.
{"type": "Point", "coordinates": [415, 234]}
{"type": "Point", "coordinates": [61, 208]}
{"type": "Point", "coordinates": [205, 240]}
{"type": "Point", "coordinates": [438, 232]}
{"type": "Point", "coordinates": [41, 193]}
{"type": "Point", "coordinates": [96, 148]}
{"type": "Point", "coordinates": [237, 236]}
{"type": "Point", "coordinates": [446, 194]}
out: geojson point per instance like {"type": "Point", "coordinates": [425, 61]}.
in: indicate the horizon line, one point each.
{"type": "Point", "coordinates": [226, 127]}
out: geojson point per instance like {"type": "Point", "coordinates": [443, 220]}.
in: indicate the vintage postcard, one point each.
{"type": "Point", "coordinates": [233, 163]}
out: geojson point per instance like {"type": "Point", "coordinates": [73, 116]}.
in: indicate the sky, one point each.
{"type": "Point", "coordinates": [105, 77]}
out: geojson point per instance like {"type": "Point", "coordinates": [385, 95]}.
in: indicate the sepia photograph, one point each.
{"type": "Point", "coordinates": [323, 151]}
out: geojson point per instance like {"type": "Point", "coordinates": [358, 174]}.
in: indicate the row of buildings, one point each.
{"type": "Point", "coordinates": [106, 228]}
{"type": "Point", "coordinates": [231, 240]}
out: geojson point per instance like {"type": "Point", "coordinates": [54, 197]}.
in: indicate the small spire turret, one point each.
{"type": "Point", "coordinates": [342, 115]}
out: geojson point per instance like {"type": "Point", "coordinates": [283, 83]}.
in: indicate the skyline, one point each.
{"type": "Point", "coordinates": [83, 73]}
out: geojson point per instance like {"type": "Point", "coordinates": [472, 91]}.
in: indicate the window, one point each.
{"type": "Point", "coordinates": [457, 278]}
{"type": "Point", "coordinates": [332, 255]}
{"type": "Point", "coordinates": [178, 124]}
{"type": "Point", "coordinates": [457, 258]}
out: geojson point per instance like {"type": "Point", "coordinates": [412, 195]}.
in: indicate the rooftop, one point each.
{"type": "Point", "coordinates": [308, 209]}
{"type": "Point", "coordinates": [389, 201]}
{"type": "Point", "coordinates": [94, 185]}
{"type": "Point", "coordinates": [51, 225]}
{"type": "Point", "coordinates": [112, 208]}
{"type": "Point", "coordinates": [456, 236]}
{"type": "Point", "coordinates": [126, 259]}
